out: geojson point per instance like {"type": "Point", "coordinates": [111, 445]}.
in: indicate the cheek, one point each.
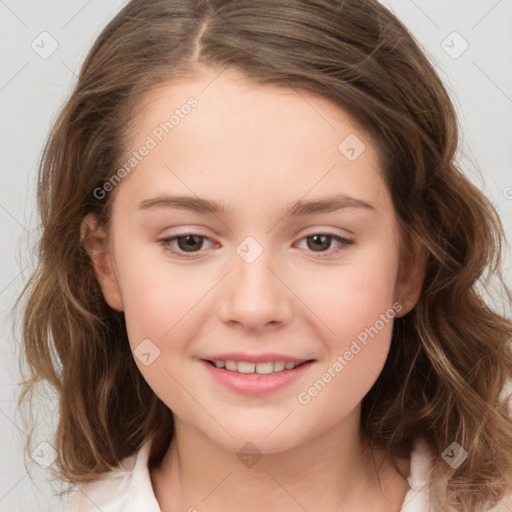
{"type": "Point", "coordinates": [156, 300]}
{"type": "Point", "coordinates": [353, 296]}
{"type": "Point", "coordinates": [159, 306]}
{"type": "Point", "coordinates": [358, 307]}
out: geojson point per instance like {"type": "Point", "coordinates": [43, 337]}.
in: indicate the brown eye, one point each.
{"type": "Point", "coordinates": [182, 244]}
{"type": "Point", "coordinates": [190, 243]}
{"type": "Point", "coordinates": [321, 242]}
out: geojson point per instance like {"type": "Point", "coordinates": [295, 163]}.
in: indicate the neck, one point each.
{"type": "Point", "coordinates": [324, 474]}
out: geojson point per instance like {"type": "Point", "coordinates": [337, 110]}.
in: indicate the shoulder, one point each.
{"type": "Point", "coordinates": [505, 503]}
{"type": "Point", "coordinates": [417, 498]}
{"type": "Point", "coordinates": [124, 489]}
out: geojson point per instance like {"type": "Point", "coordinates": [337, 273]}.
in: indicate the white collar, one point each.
{"type": "Point", "coordinates": [128, 488]}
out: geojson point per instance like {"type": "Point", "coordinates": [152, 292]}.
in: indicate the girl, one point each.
{"type": "Point", "coordinates": [257, 284]}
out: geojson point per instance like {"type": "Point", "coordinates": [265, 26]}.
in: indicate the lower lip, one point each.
{"type": "Point", "coordinates": [254, 383]}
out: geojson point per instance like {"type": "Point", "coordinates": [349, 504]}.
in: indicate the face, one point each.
{"type": "Point", "coordinates": [294, 261]}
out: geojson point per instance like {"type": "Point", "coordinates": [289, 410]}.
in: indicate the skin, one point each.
{"type": "Point", "coordinates": [257, 149]}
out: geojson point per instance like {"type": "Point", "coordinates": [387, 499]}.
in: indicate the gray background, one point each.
{"type": "Point", "coordinates": [33, 85]}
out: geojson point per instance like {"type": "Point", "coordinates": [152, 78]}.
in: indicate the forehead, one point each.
{"type": "Point", "coordinates": [271, 142]}
{"type": "Point", "coordinates": [231, 105]}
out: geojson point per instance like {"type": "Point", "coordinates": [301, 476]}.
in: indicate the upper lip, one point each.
{"type": "Point", "coordinates": [269, 357]}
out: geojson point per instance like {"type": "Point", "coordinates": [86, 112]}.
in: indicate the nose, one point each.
{"type": "Point", "coordinates": [255, 296]}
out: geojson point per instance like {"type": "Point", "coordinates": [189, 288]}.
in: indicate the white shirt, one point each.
{"type": "Point", "coordinates": [128, 488]}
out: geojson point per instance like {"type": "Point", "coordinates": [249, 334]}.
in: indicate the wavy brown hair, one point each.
{"type": "Point", "coordinates": [450, 357]}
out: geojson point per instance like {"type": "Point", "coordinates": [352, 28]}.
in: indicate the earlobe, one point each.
{"type": "Point", "coordinates": [411, 276]}
{"type": "Point", "coordinates": [95, 241]}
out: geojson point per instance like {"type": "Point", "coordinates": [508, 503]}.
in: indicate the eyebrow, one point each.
{"type": "Point", "coordinates": [297, 209]}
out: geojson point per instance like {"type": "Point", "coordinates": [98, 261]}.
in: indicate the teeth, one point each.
{"type": "Point", "coordinates": [260, 368]}
{"type": "Point", "coordinates": [244, 367]}
{"type": "Point", "coordinates": [279, 366]}
{"type": "Point", "coordinates": [264, 368]}
{"type": "Point", "coordinates": [231, 365]}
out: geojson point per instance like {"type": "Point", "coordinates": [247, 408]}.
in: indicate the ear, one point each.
{"type": "Point", "coordinates": [95, 241]}
{"type": "Point", "coordinates": [411, 274]}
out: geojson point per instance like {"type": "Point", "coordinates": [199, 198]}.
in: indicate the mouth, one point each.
{"type": "Point", "coordinates": [260, 368]}
{"type": "Point", "coordinates": [266, 373]}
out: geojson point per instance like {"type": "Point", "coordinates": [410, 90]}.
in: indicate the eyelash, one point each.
{"type": "Point", "coordinates": [166, 243]}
